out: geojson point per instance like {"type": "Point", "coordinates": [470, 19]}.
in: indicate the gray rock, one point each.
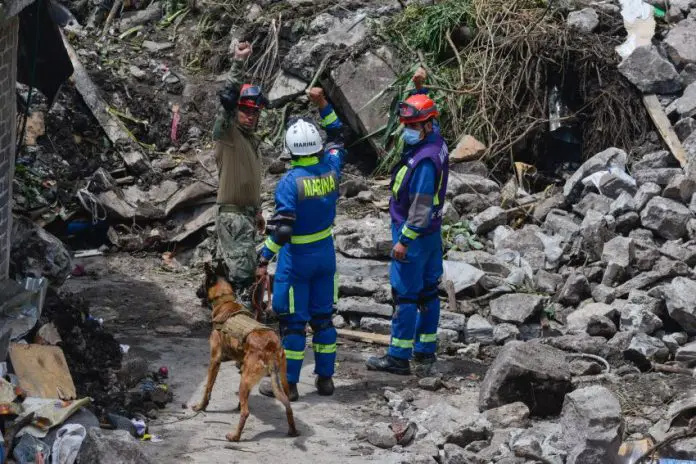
{"type": "Point", "coordinates": [599, 162]}
{"type": "Point", "coordinates": [111, 447]}
{"type": "Point", "coordinates": [543, 208]}
{"type": "Point", "coordinates": [627, 222]}
{"type": "Point", "coordinates": [650, 72]}
{"type": "Point", "coordinates": [686, 355]}
{"type": "Point", "coordinates": [690, 148]}
{"type": "Point", "coordinates": [677, 250]}
{"type": "Point", "coordinates": [488, 220]}
{"type": "Point", "coordinates": [622, 205]}
{"type": "Point", "coordinates": [352, 187]}
{"type": "Point", "coordinates": [381, 436]}
{"type": "Point", "coordinates": [644, 349]}
{"type": "Point", "coordinates": [365, 238]}
{"type": "Point", "coordinates": [285, 88]}
{"type": "Point", "coordinates": [666, 218]}
{"type": "Point", "coordinates": [580, 367]}
{"type": "Point", "coordinates": [681, 43]}
{"type": "Point", "coordinates": [462, 275]}
{"type": "Point", "coordinates": [513, 415]}
{"type": "Point", "coordinates": [612, 185]}
{"type": "Point", "coordinates": [37, 253]}
{"type": "Point", "coordinates": [674, 340]}
{"type": "Point", "coordinates": [658, 159]}
{"type": "Point", "coordinates": [684, 128]}
{"type": "Point", "coordinates": [637, 318]}
{"type": "Point", "coordinates": [479, 330]}
{"type": "Point", "coordinates": [471, 203]}
{"type": "Point", "coordinates": [473, 428]}
{"type": "Point", "coordinates": [357, 286]}
{"type": "Point", "coordinates": [585, 20]}
{"type": "Point", "coordinates": [430, 383]}
{"type": "Point", "coordinates": [450, 215]}
{"type": "Point", "coordinates": [686, 104]}
{"type": "Point", "coordinates": [547, 282]}
{"type": "Point", "coordinates": [578, 320]}
{"type": "Point", "coordinates": [575, 289]}
{"type": "Point", "coordinates": [596, 229]}
{"type": "Point", "coordinates": [601, 326]}
{"type": "Point", "coordinates": [561, 223]}
{"type": "Point", "coordinates": [688, 74]}
{"type": "Point", "coordinates": [680, 188]}
{"type": "Point", "coordinates": [458, 184]}
{"type": "Point", "coordinates": [659, 176]}
{"type": "Point", "coordinates": [155, 47]}
{"type": "Point", "coordinates": [375, 325]}
{"type": "Point", "coordinates": [136, 162]}
{"type": "Point", "coordinates": [526, 445]}
{"type": "Point", "coordinates": [603, 293]}
{"type": "Point", "coordinates": [443, 423]}
{"type": "Point", "coordinates": [516, 307]}
{"type": "Point", "coordinates": [524, 372]}
{"type": "Point", "coordinates": [645, 193]}
{"type": "Point", "coordinates": [453, 321]}
{"type": "Point", "coordinates": [453, 454]}
{"type": "Point", "coordinates": [680, 297]}
{"type": "Point", "coordinates": [619, 250]}
{"type": "Point", "coordinates": [363, 306]}
{"type": "Point", "coordinates": [503, 333]}
{"type": "Point", "coordinates": [651, 304]}
{"type": "Point", "coordinates": [592, 201]}
{"type": "Point", "coordinates": [152, 13]}
{"type": "Point", "coordinates": [592, 425]}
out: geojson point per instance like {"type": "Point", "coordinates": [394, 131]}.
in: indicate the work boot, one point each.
{"type": "Point", "coordinates": [424, 364]}
{"type": "Point", "coordinates": [424, 358]}
{"type": "Point", "coordinates": [325, 385]}
{"type": "Point", "coordinates": [389, 364]}
{"type": "Point", "coordinates": [267, 390]}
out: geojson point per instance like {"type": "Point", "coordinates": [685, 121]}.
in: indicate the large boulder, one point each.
{"type": "Point", "coordinates": [650, 71]}
{"type": "Point", "coordinates": [599, 162]}
{"type": "Point", "coordinates": [592, 426]}
{"type": "Point", "coordinates": [680, 297]}
{"type": "Point", "coordinates": [534, 374]}
{"type": "Point", "coordinates": [666, 218]}
{"type": "Point", "coordinates": [37, 253]}
{"type": "Point", "coordinates": [111, 447]}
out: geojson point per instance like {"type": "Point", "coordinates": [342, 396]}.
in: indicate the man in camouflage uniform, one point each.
{"type": "Point", "coordinates": [239, 193]}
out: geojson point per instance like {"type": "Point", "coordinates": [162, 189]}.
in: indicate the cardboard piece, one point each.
{"type": "Point", "coordinates": [42, 371]}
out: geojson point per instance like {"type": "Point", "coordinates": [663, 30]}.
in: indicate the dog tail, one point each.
{"type": "Point", "coordinates": [279, 378]}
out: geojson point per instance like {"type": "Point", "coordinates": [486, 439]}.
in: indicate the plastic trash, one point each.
{"type": "Point", "coordinates": [31, 450]}
{"type": "Point", "coordinates": [22, 309]}
{"type": "Point", "coordinates": [140, 427]}
{"type": "Point", "coordinates": [632, 450]}
{"type": "Point", "coordinates": [68, 443]}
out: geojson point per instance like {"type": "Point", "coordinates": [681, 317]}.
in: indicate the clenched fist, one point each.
{"type": "Point", "coordinates": [419, 77]}
{"type": "Point", "coordinates": [242, 51]}
{"type": "Point", "coordinates": [316, 95]}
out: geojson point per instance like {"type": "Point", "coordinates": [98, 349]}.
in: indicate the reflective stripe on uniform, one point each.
{"type": "Point", "coordinates": [311, 238]}
{"type": "Point", "coordinates": [323, 348]}
{"type": "Point", "coordinates": [398, 180]}
{"type": "Point", "coordinates": [291, 300]}
{"type": "Point", "coordinates": [412, 234]}
{"type": "Point", "coordinates": [399, 343]}
{"type": "Point", "coordinates": [335, 288]}
{"type": "Point", "coordinates": [271, 245]}
{"type": "Point", "coordinates": [305, 161]}
{"type": "Point", "coordinates": [428, 338]}
{"type": "Point", "coordinates": [436, 200]}
{"type": "Point", "coordinates": [294, 355]}
{"type": "Point", "coordinates": [329, 119]}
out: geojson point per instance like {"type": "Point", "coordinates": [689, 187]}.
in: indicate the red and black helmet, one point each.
{"type": "Point", "coordinates": [417, 108]}
{"type": "Point", "coordinates": [251, 96]}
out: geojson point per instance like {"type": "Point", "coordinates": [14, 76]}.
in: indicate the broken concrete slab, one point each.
{"type": "Point", "coordinates": [375, 325]}
{"type": "Point", "coordinates": [503, 333]}
{"type": "Point", "coordinates": [192, 194]}
{"type": "Point", "coordinates": [202, 218]}
{"type": "Point", "coordinates": [488, 220]}
{"type": "Point", "coordinates": [458, 184]}
{"type": "Point", "coordinates": [666, 218]}
{"type": "Point", "coordinates": [578, 320]}
{"type": "Point", "coordinates": [353, 86]}
{"type": "Point", "coordinates": [525, 372]}
{"type": "Point", "coordinates": [599, 162]}
{"type": "Point", "coordinates": [285, 88]}
{"type": "Point", "coordinates": [479, 330]}
{"type": "Point", "coordinates": [516, 307]}
{"type": "Point", "coordinates": [655, 160]}
{"type": "Point", "coordinates": [363, 306]}
{"type": "Point", "coordinates": [681, 42]}
{"type": "Point", "coordinates": [592, 425]}
{"type": "Point", "coordinates": [659, 176]}
{"type": "Point", "coordinates": [464, 276]}
{"type": "Point", "coordinates": [363, 238]}
{"type": "Point", "coordinates": [650, 72]}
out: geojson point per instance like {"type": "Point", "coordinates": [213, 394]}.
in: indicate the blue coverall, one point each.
{"type": "Point", "coordinates": [305, 286]}
{"type": "Point", "coordinates": [415, 281]}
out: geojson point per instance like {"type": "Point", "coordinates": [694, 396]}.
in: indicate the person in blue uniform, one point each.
{"type": "Point", "coordinates": [305, 286]}
{"type": "Point", "coordinates": [419, 184]}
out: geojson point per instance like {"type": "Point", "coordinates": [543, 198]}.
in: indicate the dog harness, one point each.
{"type": "Point", "coordinates": [240, 323]}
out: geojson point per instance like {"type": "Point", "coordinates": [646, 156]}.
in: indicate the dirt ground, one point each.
{"type": "Point", "coordinates": [157, 313]}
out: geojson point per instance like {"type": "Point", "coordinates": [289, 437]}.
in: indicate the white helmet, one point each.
{"type": "Point", "coordinates": [303, 139]}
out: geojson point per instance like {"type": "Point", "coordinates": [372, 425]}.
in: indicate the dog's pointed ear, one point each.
{"type": "Point", "coordinates": [220, 269]}
{"type": "Point", "coordinates": [209, 271]}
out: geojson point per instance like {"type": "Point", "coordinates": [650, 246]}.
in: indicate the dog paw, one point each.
{"type": "Point", "coordinates": [199, 407]}
{"type": "Point", "coordinates": [232, 437]}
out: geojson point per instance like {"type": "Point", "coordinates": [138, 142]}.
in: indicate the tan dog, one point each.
{"type": "Point", "coordinates": [238, 337]}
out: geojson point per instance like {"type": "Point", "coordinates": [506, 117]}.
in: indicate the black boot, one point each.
{"type": "Point", "coordinates": [267, 390]}
{"type": "Point", "coordinates": [325, 385]}
{"type": "Point", "coordinates": [424, 358]}
{"type": "Point", "coordinates": [389, 364]}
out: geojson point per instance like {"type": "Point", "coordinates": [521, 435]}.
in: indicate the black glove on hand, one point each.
{"type": "Point", "coordinates": [229, 97]}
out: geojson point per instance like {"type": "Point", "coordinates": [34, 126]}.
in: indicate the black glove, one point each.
{"type": "Point", "coordinates": [229, 97]}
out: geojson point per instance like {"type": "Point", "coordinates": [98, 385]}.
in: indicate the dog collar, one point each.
{"type": "Point", "coordinates": [223, 299]}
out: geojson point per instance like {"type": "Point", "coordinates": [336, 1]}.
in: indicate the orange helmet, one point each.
{"type": "Point", "coordinates": [252, 96]}
{"type": "Point", "coordinates": [417, 108]}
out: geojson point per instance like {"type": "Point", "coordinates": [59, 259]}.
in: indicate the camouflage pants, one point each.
{"type": "Point", "coordinates": [236, 232]}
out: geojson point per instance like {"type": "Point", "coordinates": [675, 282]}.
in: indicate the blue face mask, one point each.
{"type": "Point", "coordinates": [411, 136]}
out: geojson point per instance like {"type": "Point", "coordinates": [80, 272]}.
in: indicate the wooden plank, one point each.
{"type": "Point", "coordinates": [658, 116]}
{"type": "Point", "coordinates": [365, 337]}
{"type": "Point", "coordinates": [42, 371]}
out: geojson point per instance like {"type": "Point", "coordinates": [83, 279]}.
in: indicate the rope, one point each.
{"type": "Point", "coordinates": [91, 203]}
{"type": "Point", "coordinates": [257, 298]}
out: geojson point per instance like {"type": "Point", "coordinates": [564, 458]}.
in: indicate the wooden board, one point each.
{"type": "Point", "coordinates": [366, 337]}
{"type": "Point", "coordinates": [658, 116]}
{"type": "Point", "coordinates": [42, 371]}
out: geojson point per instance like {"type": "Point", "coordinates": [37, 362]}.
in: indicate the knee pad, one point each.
{"type": "Point", "coordinates": [292, 328]}
{"type": "Point", "coordinates": [321, 322]}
